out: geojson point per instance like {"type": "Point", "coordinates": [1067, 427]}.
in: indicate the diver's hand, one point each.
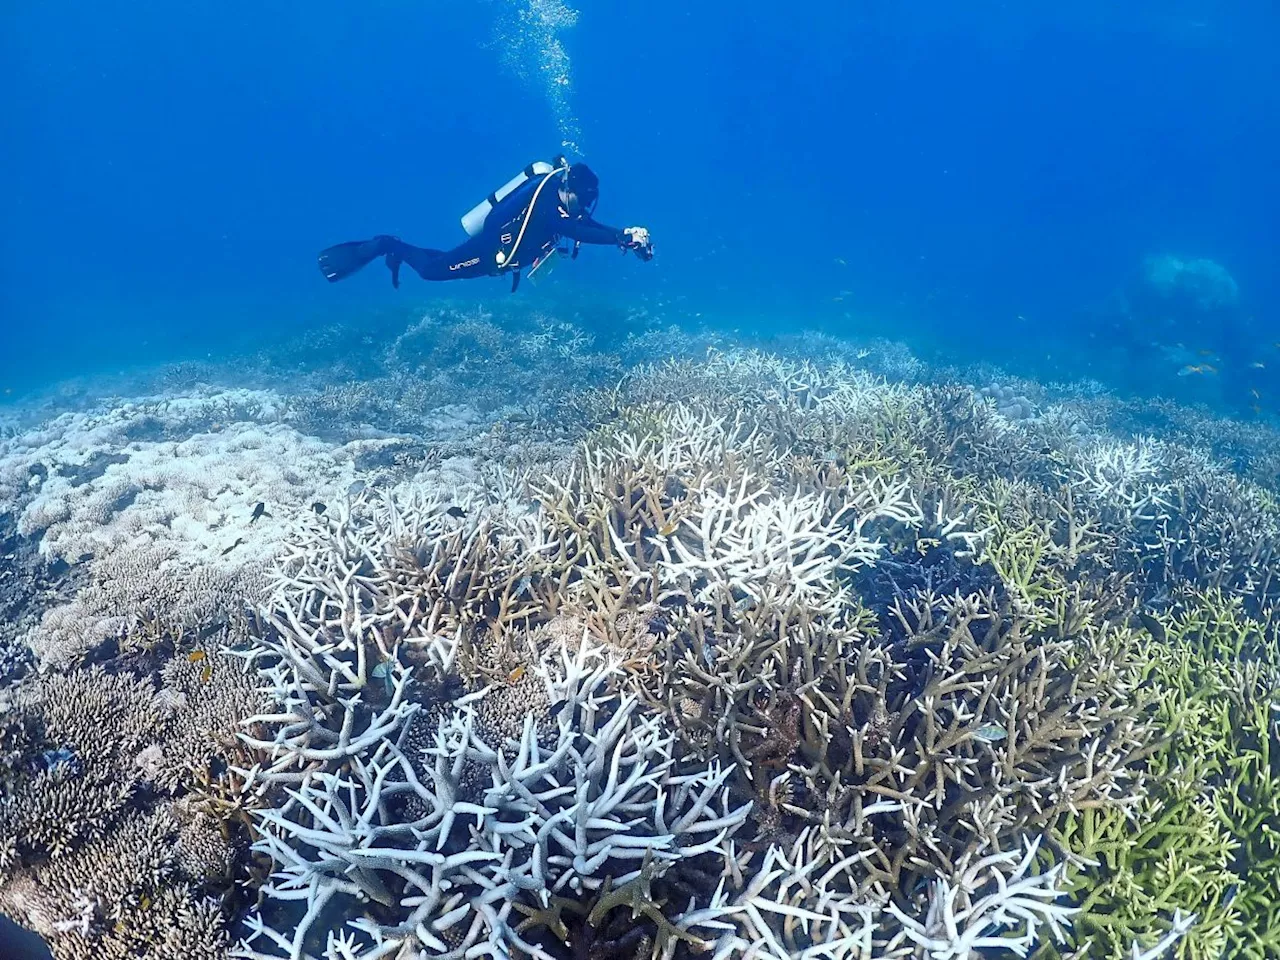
{"type": "Point", "coordinates": [637, 239]}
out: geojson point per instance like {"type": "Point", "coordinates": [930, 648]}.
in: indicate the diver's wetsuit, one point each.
{"type": "Point", "coordinates": [477, 257]}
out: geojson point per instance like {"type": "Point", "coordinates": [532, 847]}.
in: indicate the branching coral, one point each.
{"type": "Point", "coordinates": [784, 661]}
{"type": "Point", "coordinates": [122, 897]}
{"type": "Point", "coordinates": [598, 798]}
{"type": "Point", "coordinates": [1204, 839]}
{"type": "Point", "coordinates": [88, 756]}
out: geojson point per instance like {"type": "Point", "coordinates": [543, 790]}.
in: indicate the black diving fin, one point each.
{"type": "Point", "coordinates": [341, 261]}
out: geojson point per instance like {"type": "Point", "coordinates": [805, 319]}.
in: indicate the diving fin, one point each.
{"type": "Point", "coordinates": [341, 261]}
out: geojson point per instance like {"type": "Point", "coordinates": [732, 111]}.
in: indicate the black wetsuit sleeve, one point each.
{"type": "Point", "coordinates": [586, 230]}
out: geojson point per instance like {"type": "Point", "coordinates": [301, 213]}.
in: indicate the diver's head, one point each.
{"type": "Point", "coordinates": [581, 189]}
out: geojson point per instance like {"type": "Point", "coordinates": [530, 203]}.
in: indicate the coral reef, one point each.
{"type": "Point", "coordinates": [530, 654]}
{"type": "Point", "coordinates": [707, 566]}
{"type": "Point", "coordinates": [1197, 281]}
{"type": "Point", "coordinates": [124, 826]}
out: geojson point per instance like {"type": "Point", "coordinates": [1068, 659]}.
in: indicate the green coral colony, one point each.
{"type": "Point", "coordinates": [771, 659]}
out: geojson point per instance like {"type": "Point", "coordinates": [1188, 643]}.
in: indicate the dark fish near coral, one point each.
{"type": "Point", "coordinates": [356, 488]}
{"type": "Point", "coordinates": [1154, 626]}
{"type": "Point", "coordinates": [239, 540]}
{"type": "Point", "coordinates": [456, 512]}
{"type": "Point", "coordinates": [259, 511]}
{"type": "Point", "coordinates": [319, 508]}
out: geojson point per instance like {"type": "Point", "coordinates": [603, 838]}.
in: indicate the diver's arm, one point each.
{"type": "Point", "coordinates": [585, 230]}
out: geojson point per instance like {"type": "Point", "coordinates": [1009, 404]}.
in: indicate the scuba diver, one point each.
{"type": "Point", "coordinates": [521, 224]}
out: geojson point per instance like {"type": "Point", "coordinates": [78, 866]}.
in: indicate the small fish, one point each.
{"type": "Point", "coordinates": [1206, 353]}
{"type": "Point", "coordinates": [523, 585]}
{"type": "Point", "coordinates": [668, 528]}
{"type": "Point", "coordinates": [356, 488]}
{"type": "Point", "coordinates": [1197, 368]}
{"type": "Point", "coordinates": [206, 673]}
{"type": "Point", "coordinates": [840, 260]}
{"type": "Point", "coordinates": [1154, 626]}
{"type": "Point", "coordinates": [1258, 365]}
{"type": "Point", "coordinates": [990, 733]}
{"type": "Point", "coordinates": [259, 511]}
{"type": "Point", "coordinates": [239, 540]}
{"type": "Point", "coordinates": [319, 508]}
{"type": "Point", "coordinates": [1253, 392]}
{"type": "Point", "coordinates": [195, 656]}
{"type": "Point", "coordinates": [381, 670]}
{"type": "Point", "coordinates": [515, 675]}
{"type": "Point", "coordinates": [1257, 409]}
{"type": "Point", "coordinates": [456, 512]}
{"type": "Point", "coordinates": [146, 902]}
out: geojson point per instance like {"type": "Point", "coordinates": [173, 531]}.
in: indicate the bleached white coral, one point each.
{"type": "Point", "coordinates": [495, 822]}
{"type": "Point", "coordinates": [159, 500]}
{"type": "Point", "coordinates": [1124, 473]}
{"type": "Point", "coordinates": [994, 903]}
{"type": "Point", "coordinates": [776, 549]}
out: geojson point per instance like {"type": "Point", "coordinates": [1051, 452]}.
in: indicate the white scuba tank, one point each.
{"type": "Point", "coordinates": [473, 220]}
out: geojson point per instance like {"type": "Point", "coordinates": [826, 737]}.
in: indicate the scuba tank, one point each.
{"type": "Point", "coordinates": [473, 220]}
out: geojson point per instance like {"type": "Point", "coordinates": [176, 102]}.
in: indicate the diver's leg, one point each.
{"type": "Point", "coordinates": [461, 263]}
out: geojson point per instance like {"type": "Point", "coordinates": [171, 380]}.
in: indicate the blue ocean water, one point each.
{"type": "Point", "coordinates": [979, 180]}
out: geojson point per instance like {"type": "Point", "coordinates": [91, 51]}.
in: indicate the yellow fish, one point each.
{"type": "Point", "coordinates": [195, 656]}
{"type": "Point", "coordinates": [1196, 368]}
{"type": "Point", "coordinates": [516, 674]}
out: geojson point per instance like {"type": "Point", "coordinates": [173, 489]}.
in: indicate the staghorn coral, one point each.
{"type": "Point", "coordinates": [886, 622]}
{"type": "Point", "coordinates": [374, 598]}
{"type": "Point", "coordinates": [1203, 839]}
{"type": "Point", "coordinates": [562, 812]}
